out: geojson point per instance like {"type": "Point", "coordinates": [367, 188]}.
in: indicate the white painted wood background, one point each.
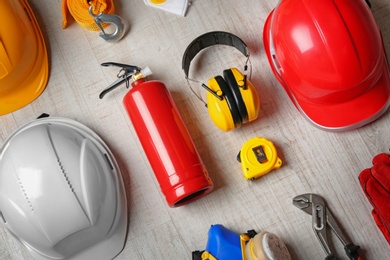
{"type": "Point", "coordinates": [314, 161]}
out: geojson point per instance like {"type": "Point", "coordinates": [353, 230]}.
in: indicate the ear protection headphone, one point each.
{"type": "Point", "coordinates": [231, 100]}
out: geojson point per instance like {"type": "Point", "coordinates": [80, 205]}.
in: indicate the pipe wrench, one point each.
{"type": "Point", "coordinates": [322, 218]}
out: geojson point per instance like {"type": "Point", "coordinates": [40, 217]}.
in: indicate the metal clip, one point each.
{"type": "Point", "coordinates": [113, 19]}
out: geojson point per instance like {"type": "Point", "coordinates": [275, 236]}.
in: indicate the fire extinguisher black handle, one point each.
{"type": "Point", "coordinates": [123, 75]}
{"type": "Point", "coordinates": [114, 85]}
{"type": "Point", "coordinates": [127, 68]}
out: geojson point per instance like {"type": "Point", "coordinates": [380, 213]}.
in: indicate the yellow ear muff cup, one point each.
{"type": "Point", "coordinates": [220, 110]}
{"type": "Point", "coordinates": [236, 94]}
{"type": "Point", "coordinates": [249, 95]}
{"type": "Point", "coordinates": [229, 97]}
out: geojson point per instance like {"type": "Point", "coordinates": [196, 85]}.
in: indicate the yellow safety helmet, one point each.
{"type": "Point", "coordinates": [24, 64]}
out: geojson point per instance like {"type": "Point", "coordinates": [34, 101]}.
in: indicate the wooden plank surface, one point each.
{"type": "Point", "coordinates": [314, 161]}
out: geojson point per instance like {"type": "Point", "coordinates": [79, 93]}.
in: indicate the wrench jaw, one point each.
{"type": "Point", "coordinates": [303, 202]}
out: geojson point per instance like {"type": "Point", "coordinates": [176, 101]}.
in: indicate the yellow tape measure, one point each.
{"type": "Point", "coordinates": [258, 157]}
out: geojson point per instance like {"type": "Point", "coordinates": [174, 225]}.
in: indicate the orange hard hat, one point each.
{"type": "Point", "coordinates": [330, 58]}
{"type": "Point", "coordinates": [24, 65]}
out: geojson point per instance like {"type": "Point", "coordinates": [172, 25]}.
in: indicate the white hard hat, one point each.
{"type": "Point", "coordinates": [61, 191]}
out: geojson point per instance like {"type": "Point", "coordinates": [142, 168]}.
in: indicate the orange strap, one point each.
{"type": "Point", "coordinates": [79, 10]}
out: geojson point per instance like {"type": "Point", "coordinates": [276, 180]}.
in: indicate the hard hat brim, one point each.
{"type": "Point", "coordinates": [344, 116]}
{"type": "Point", "coordinates": [353, 114]}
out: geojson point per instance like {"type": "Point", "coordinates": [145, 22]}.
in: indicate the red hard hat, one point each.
{"type": "Point", "coordinates": [330, 58]}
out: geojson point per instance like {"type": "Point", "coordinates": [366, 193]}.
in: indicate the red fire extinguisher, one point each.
{"type": "Point", "coordinates": [163, 135]}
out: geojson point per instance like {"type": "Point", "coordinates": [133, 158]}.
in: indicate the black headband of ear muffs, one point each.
{"type": "Point", "coordinates": [210, 39]}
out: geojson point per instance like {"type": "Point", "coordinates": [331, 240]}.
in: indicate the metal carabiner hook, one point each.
{"type": "Point", "coordinates": [113, 19]}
